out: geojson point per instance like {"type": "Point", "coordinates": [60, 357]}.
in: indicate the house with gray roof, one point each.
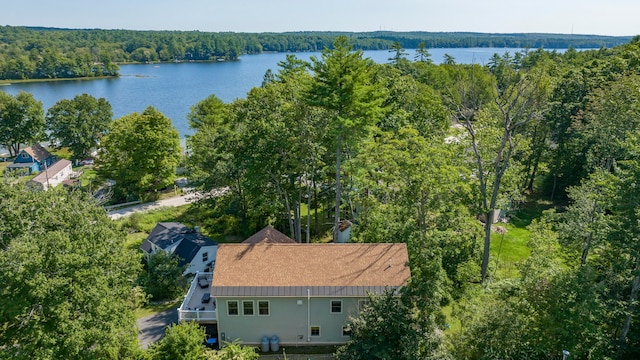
{"type": "Point", "coordinates": [192, 248]}
{"type": "Point", "coordinates": [303, 294]}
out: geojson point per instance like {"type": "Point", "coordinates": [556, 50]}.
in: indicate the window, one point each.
{"type": "Point", "coordinates": [263, 308]}
{"type": "Point", "coordinates": [336, 306]}
{"type": "Point", "coordinates": [315, 331]}
{"type": "Point", "coordinates": [362, 304]}
{"type": "Point", "coordinates": [346, 330]}
{"type": "Point", "coordinates": [205, 256]}
{"type": "Point", "coordinates": [247, 308]}
{"type": "Point", "coordinates": [232, 308]}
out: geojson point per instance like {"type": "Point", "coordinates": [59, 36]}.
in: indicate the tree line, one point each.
{"type": "Point", "coordinates": [51, 53]}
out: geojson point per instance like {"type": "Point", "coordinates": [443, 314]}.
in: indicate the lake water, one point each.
{"type": "Point", "coordinates": [174, 88]}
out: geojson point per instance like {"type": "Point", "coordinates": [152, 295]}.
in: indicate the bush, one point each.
{"type": "Point", "coordinates": [162, 278]}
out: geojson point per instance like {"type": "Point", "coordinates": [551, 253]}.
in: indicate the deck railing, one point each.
{"type": "Point", "coordinates": [191, 314]}
{"type": "Point", "coordinates": [196, 315]}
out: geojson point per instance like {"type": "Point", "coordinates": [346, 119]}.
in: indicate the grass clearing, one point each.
{"type": "Point", "coordinates": [135, 240]}
{"type": "Point", "coordinates": [156, 308]}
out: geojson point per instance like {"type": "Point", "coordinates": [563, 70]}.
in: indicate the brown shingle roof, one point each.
{"type": "Point", "coordinates": [269, 235]}
{"type": "Point", "coordinates": [37, 152]}
{"type": "Point", "coordinates": [325, 269]}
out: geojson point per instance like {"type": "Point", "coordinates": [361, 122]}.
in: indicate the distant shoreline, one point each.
{"type": "Point", "coordinates": [9, 82]}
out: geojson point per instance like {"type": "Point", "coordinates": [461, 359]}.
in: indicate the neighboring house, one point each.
{"type": "Point", "coordinates": [304, 294]}
{"type": "Point", "coordinates": [32, 159]}
{"type": "Point", "coordinates": [193, 249]}
{"type": "Point", "coordinates": [52, 176]}
{"type": "Point", "coordinates": [269, 235]}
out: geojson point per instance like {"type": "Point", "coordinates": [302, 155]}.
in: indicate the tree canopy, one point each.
{"type": "Point", "coordinates": [141, 152]}
{"type": "Point", "coordinates": [79, 123]}
{"type": "Point", "coordinates": [66, 276]}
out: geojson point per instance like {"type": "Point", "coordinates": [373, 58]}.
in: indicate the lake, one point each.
{"type": "Point", "coordinates": [173, 88]}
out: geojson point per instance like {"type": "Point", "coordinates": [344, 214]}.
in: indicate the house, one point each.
{"type": "Point", "coordinates": [304, 294]}
{"type": "Point", "coordinates": [52, 176]}
{"type": "Point", "coordinates": [32, 159]}
{"type": "Point", "coordinates": [269, 235]}
{"type": "Point", "coordinates": [193, 249]}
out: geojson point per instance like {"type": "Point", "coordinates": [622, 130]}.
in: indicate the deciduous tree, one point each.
{"type": "Point", "coordinates": [140, 152]}
{"type": "Point", "coordinates": [21, 121]}
{"type": "Point", "coordinates": [79, 123]}
{"type": "Point", "coordinates": [66, 279]}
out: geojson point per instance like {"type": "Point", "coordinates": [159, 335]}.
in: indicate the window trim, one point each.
{"type": "Point", "coordinates": [205, 256]}
{"type": "Point", "coordinates": [229, 308]}
{"type": "Point", "coordinates": [311, 331]}
{"type": "Point", "coordinates": [331, 306]}
{"type": "Point", "coordinates": [253, 311]}
{"type": "Point", "coordinates": [268, 307]}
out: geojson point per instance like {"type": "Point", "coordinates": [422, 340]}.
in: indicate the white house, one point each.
{"type": "Point", "coordinates": [52, 176]}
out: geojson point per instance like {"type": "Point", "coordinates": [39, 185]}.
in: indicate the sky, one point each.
{"type": "Point", "coordinates": [594, 17]}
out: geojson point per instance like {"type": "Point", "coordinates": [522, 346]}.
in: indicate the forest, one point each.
{"type": "Point", "coordinates": [537, 147]}
{"type": "Point", "coordinates": [51, 53]}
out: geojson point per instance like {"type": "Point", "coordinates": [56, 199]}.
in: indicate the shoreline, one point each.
{"type": "Point", "coordinates": [22, 81]}
{"type": "Point", "coordinates": [6, 82]}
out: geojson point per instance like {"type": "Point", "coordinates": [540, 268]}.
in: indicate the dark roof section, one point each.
{"type": "Point", "coordinates": [37, 152]}
{"type": "Point", "coordinates": [269, 235]}
{"type": "Point", "coordinates": [166, 234]}
{"type": "Point", "coordinates": [190, 246]}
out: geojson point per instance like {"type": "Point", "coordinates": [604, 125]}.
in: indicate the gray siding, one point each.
{"type": "Point", "coordinates": [287, 320]}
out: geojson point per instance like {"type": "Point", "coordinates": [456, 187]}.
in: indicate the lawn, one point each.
{"type": "Point", "coordinates": [156, 308]}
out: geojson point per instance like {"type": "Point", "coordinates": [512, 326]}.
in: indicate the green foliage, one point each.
{"type": "Point", "coordinates": [66, 278]}
{"type": "Point", "coordinates": [343, 86]}
{"type": "Point", "coordinates": [184, 341]}
{"type": "Point", "coordinates": [162, 278]}
{"type": "Point", "coordinates": [234, 351]}
{"type": "Point", "coordinates": [79, 123]}
{"type": "Point", "coordinates": [140, 152]}
{"type": "Point", "coordinates": [387, 329]}
{"type": "Point", "coordinates": [21, 121]}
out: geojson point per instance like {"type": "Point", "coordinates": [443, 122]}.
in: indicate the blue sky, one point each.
{"type": "Point", "coordinates": [611, 17]}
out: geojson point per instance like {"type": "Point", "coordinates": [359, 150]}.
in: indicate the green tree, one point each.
{"type": "Point", "coordinates": [422, 53]}
{"type": "Point", "coordinates": [184, 341]}
{"type": "Point", "coordinates": [162, 278]}
{"type": "Point", "coordinates": [398, 53]}
{"type": "Point", "coordinates": [21, 121]}
{"type": "Point", "coordinates": [342, 85]}
{"type": "Point", "coordinates": [79, 123]}
{"type": "Point", "coordinates": [385, 329]}
{"type": "Point", "coordinates": [66, 279]}
{"type": "Point", "coordinates": [235, 351]}
{"type": "Point", "coordinates": [140, 152]}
